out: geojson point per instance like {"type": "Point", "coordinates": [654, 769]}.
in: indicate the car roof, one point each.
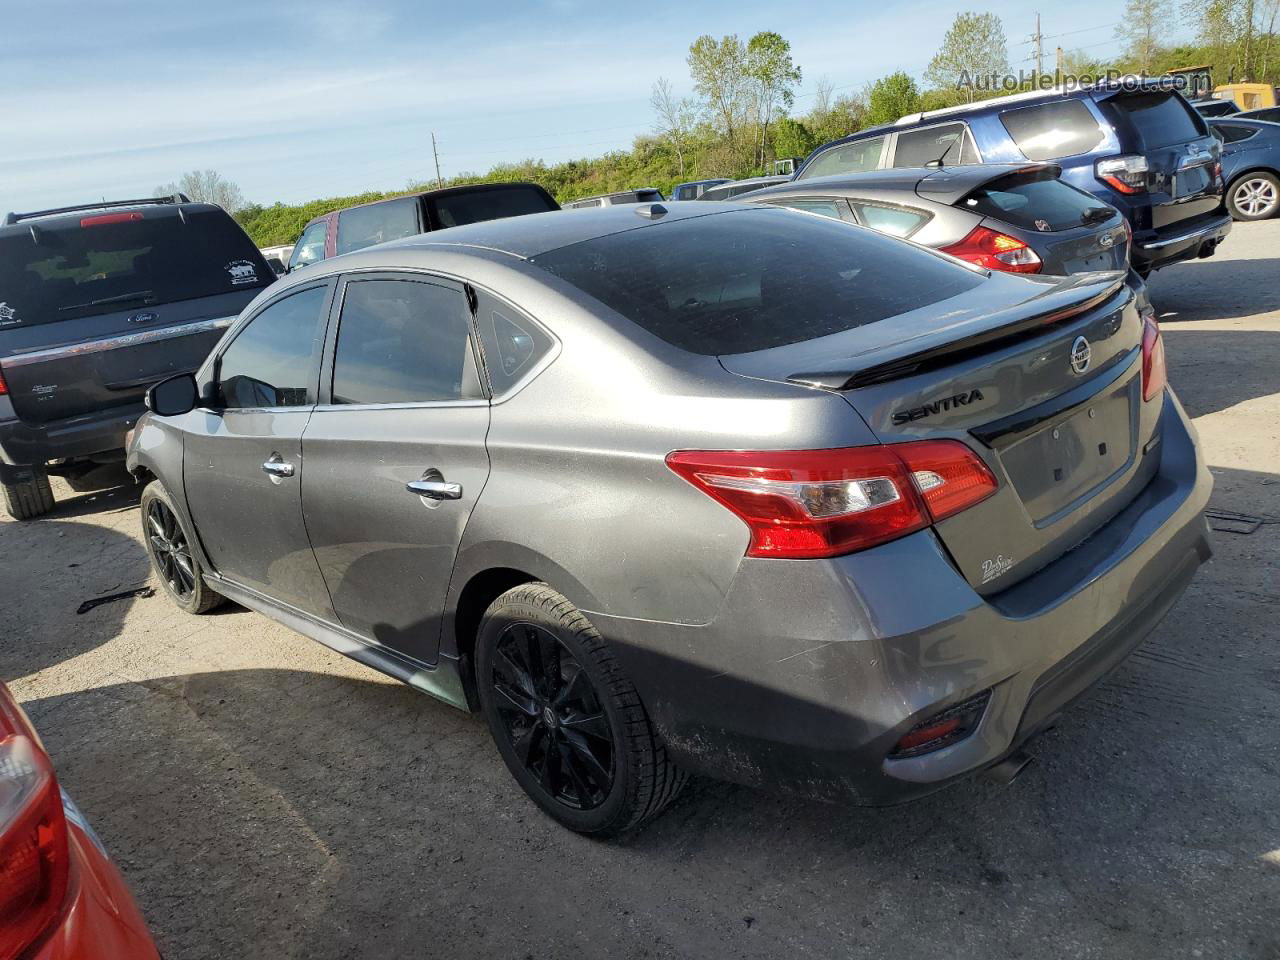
{"type": "Point", "coordinates": [66, 216]}
{"type": "Point", "coordinates": [946, 184]}
{"type": "Point", "coordinates": [1241, 121]}
{"type": "Point", "coordinates": [538, 233]}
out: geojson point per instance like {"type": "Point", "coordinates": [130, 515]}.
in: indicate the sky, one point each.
{"type": "Point", "coordinates": [295, 101]}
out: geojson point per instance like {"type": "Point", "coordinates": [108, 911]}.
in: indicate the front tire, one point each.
{"type": "Point", "coordinates": [168, 543]}
{"type": "Point", "coordinates": [566, 719]}
{"type": "Point", "coordinates": [1254, 196]}
{"type": "Point", "coordinates": [28, 495]}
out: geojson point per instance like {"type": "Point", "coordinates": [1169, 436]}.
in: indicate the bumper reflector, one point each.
{"type": "Point", "coordinates": [943, 729]}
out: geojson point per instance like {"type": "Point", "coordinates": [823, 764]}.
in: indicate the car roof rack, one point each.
{"type": "Point", "coordinates": [12, 218]}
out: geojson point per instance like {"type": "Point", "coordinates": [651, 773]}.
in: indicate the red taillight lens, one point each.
{"type": "Point", "coordinates": [102, 219]}
{"type": "Point", "coordinates": [1128, 174]}
{"type": "Point", "coordinates": [802, 504]}
{"type": "Point", "coordinates": [996, 251]}
{"type": "Point", "coordinates": [1154, 373]}
{"type": "Point", "coordinates": [4, 387]}
{"type": "Point", "coordinates": [943, 729]}
{"type": "Point", "coordinates": [33, 836]}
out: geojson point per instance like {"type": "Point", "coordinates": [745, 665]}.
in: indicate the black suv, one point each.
{"type": "Point", "coordinates": [97, 303]}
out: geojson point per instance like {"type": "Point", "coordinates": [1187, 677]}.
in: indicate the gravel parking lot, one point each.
{"type": "Point", "coordinates": [268, 798]}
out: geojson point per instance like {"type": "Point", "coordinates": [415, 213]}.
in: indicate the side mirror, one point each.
{"type": "Point", "coordinates": [172, 397]}
{"type": "Point", "coordinates": [276, 264]}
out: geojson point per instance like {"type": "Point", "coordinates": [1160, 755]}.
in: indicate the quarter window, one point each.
{"type": "Point", "coordinates": [945, 143]}
{"type": "Point", "coordinates": [894, 221]}
{"type": "Point", "coordinates": [1064, 128]}
{"type": "Point", "coordinates": [362, 227]}
{"type": "Point", "coordinates": [1232, 133]}
{"type": "Point", "coordinates": [273, 361]}
{"type": "Point", "coordinates": [513, 344]}
{"type": "Point", "coordinates": [401, 341]}
{"type": "Point", "coordinates": [835, 209]}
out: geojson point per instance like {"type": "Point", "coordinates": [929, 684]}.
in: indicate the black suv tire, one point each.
{"type": "Point", "coordinates": [28, 495]}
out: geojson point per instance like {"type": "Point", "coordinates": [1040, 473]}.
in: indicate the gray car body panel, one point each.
{"type": "Point", "coordinates": [754, 670]}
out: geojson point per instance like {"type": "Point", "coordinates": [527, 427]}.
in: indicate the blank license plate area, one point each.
{"type": "Point", "coordinates": [1191, 180]}
{"type": "Point", "coordinates": [1055, 466]}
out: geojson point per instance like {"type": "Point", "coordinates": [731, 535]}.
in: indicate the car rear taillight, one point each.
{"type": "Point", "coordinates": [4, 387]}
{"type": "Point", "coordinates": [1128, 173]}
{"type": "Point", "coordinates": [1128, 236]}
{"type": "Point", "coordinates": [34, 857]}
{"type": "Point", "coordinates": [102, 219]}
{"type": "Point", "coordinates": [801, 504]}
{"type": "Point", "coordinates": [996, 251]}
{"type": "Point", "coordinates": [1154, 373]}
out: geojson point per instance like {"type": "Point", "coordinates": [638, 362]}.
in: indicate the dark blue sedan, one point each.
{"type": "Point", "coordinates": [1250, 166]}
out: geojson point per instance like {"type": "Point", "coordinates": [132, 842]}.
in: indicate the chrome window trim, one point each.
{"type": "Point", "coordinates": [88, 347]}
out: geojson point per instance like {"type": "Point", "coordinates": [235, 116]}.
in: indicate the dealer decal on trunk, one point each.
{"type": "Point", "coordinates": [242, 271]}
{"type": "Point", "coordinates": [995, 568]}
{"type": "Point", "coordinates": [8, 314]}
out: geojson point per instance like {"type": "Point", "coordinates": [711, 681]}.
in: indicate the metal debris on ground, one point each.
{"type": "Point", "coordinates": [1242, 523]}
{"type": "Point", "coordinates": [140, 592]}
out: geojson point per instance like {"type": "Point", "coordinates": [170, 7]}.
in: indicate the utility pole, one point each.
{"type": "Point", "coordinates": [439, 182]}
{"type": "Point", "coordinates": [1057, 71]}
{"type": "Point", "coordinates": [1038, 37]}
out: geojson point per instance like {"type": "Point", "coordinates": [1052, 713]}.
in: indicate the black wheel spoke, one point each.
{"type": "Point", "coordinates": [575, 690]}
{"type": "Point", "coordinates": [170, 551]}
{"type": "Point", "coordinates": [591, 725]}
{"type": "Point", "coordinates": [517, 700]}
{"type": "Point", "coordinates": [583, 753]}
{"type": "Point", "coordinates": [524, 745]}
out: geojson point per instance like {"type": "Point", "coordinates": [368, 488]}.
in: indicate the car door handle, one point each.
{"type": "Point", "coordinates": [435, 489]}
{"type": "Point", "coordinates": [276, 467]}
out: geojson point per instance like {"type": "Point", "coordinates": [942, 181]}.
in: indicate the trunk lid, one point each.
{"type": "Point", "coordinates": [994, 367]}
{"type": "Point", "coordinates": [97, 307]}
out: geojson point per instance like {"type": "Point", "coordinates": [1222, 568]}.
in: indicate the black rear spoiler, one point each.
{"type": "Point", "coordinates": [12, 218]}
{"type": "Point", "coordinates": [909, 364]}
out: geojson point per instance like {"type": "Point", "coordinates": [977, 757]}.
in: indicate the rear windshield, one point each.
{"type": "Point", "coordinates": [1042, 203]}
{"type": "Point", "coordinates": [457, 209]}
{"type": "Point", "coordinates": [1047, 131]}
{"type": "Point", "coordinates": [749, 280]}
{"type": "Point", "coordinates": [1160, 119]}
{"type": "Point", "coordinates": [114, 263]}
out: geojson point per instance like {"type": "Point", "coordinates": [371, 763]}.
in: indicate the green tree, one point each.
{"type": "Point", "coordinates": [676, 119]}
{"type": "Point", "coordinates": [772, 79]}
{"type": "Point", "coordinates": [718, 69]}
{"type": "Point", "coordinates": [1139, 27]}
{"type": "Point", "coordinates": [791, 138]}
{"type": "Point", "coordinates": [892, 97]}
{"type": "Point", "coordinates": [974, 46]}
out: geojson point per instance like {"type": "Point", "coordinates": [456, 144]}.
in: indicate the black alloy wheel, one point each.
{"type": "Point", "coordinates": [170, 549]}
{"type": "Point", "coordinates": [552, 717]}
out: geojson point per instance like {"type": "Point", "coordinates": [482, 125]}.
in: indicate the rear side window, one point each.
{"type": "Point", "coordinates": [310, 246]}
{"type": "Point", "coordinates": [513, 344]}
{"type": "Point", "coordinates": [401, 341]}
{"type": "Point", "coordinates": [273, 361]}
{"type": "Point", "coordinates": [1232, 133]}
{"type": "Point", "coordinates": [947, 143]}
{"type": "Point", "coordinates": [1063, 128]}
{"type": "Point", "coordinates": [461, 208]}
{"type": "Point", "coordinates": [847, 158]}
{"type": "Point", "coordinates": [106, 261]}
{"type": "Point", "coordinates": [1160, 119]}
{"type": "Point", "coordinates": [1043, 203]}
{"type": "Point", "coordinates": [362, 227]}
{"type": "Point", "coordinates": [895, 221]}
{"type": "Point", "coordinates": [750, 280]}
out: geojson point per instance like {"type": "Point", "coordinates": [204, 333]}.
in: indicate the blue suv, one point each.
{"type": "Point", "coordinates": [1138, 145]}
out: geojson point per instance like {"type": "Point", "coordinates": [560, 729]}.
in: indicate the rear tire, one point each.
{"type": "Point", "coordinates": [28, 495]}
{"type": "Point", "coordinates": [174, 563]}
{"type": "Point", "coordinates": [1254, 196]}
{"type": "Point", "coordinates": [566, 719]}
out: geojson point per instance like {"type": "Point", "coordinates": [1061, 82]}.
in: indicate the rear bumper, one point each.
{"type": "Point", "coordinates": [26, 444]}
{"type": "Point", "coordinates": [1181, 241]}
{"type": "Point", "coordinates": [100, 920]}
{"type": "Point", "coordinates": [813, 670]}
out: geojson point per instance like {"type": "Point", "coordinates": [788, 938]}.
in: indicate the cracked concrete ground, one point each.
{"type": "Point", "coordinates": [268, 798]}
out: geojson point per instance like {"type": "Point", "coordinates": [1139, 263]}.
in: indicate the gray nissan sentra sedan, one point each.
{"type": "Point", "coordinates": [719, 489]}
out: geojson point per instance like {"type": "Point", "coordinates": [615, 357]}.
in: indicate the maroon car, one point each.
{"type": "Point", "coordinates": [342, 231]}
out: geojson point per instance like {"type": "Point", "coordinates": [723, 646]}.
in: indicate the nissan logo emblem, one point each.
{"type": "Point", "coordinates": [1081, 354]}
{"type": "Point", "coordinates": [1106, 240]}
